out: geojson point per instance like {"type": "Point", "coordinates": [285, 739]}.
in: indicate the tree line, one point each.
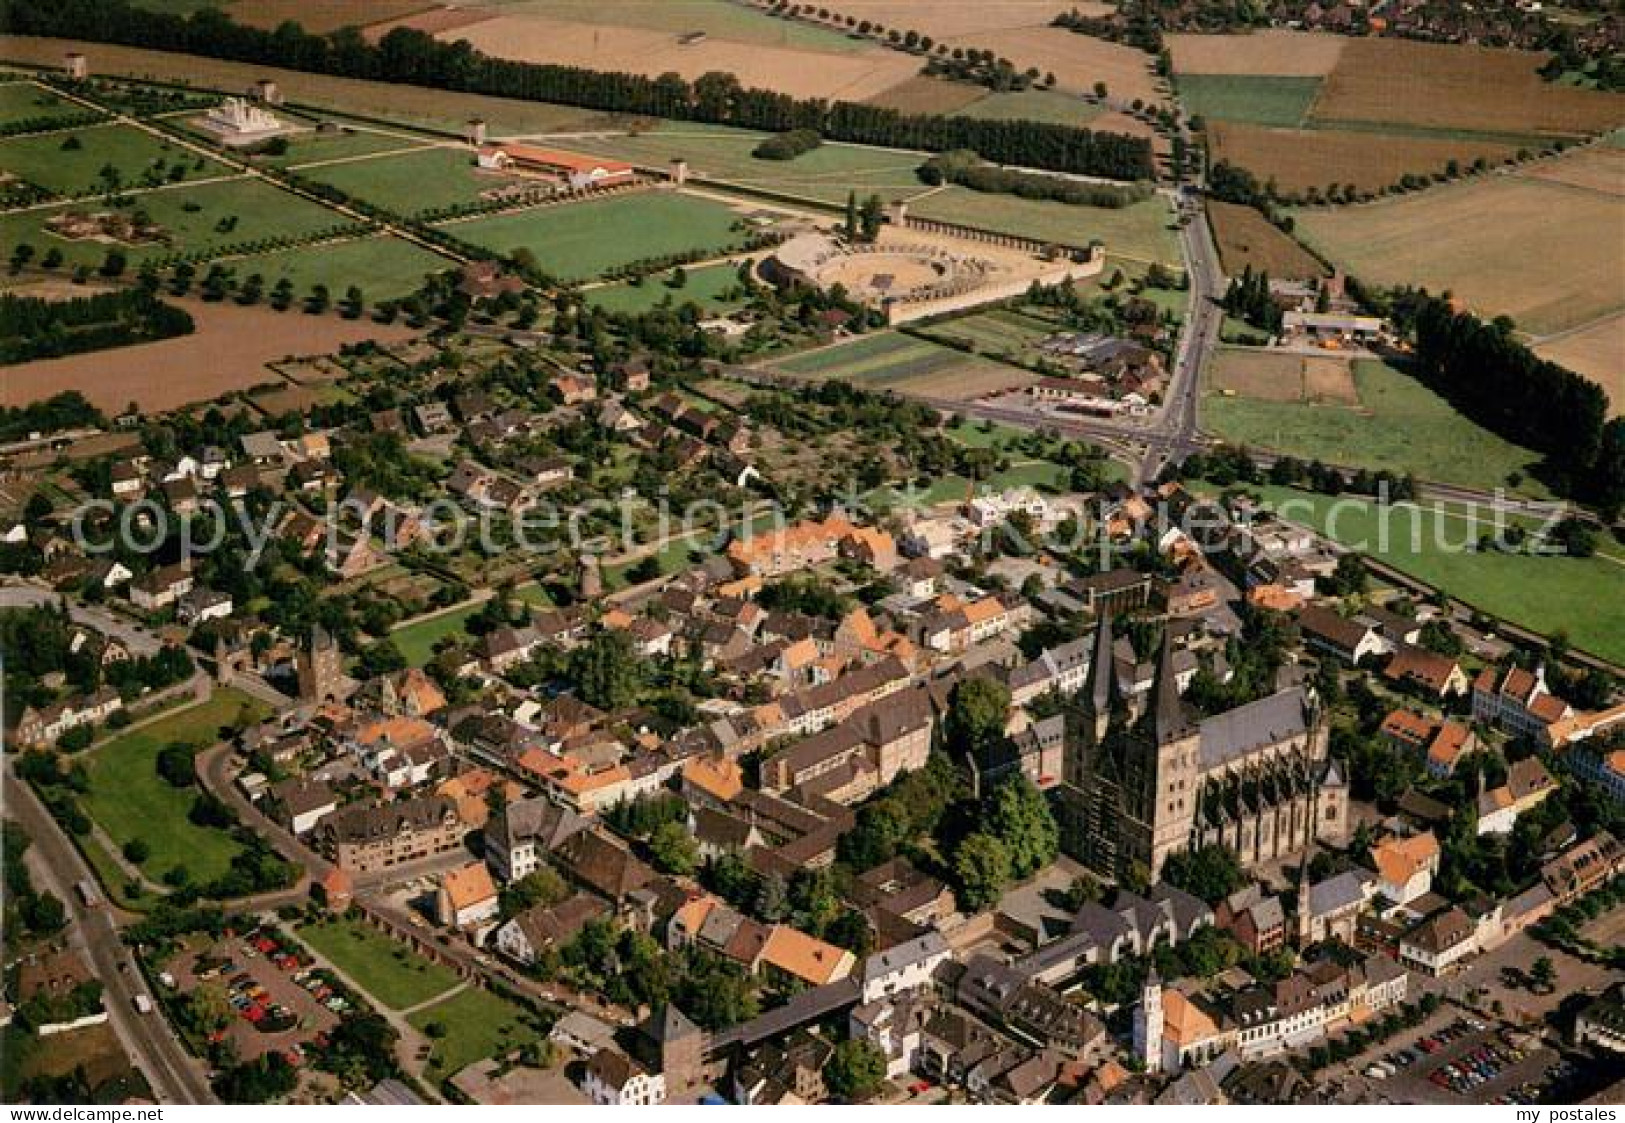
{"type": "Point", "coordinates": [415, 58]}
{"type": "Point", "coordinates": [32, 328]}
{"type": "Point", "coordinates": [1504, 386]}
{"type": "Point", "coordinates": [966, 169]}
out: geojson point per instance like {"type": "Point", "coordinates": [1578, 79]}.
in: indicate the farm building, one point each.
{"type": "Point", "coordinates": [579, 171]}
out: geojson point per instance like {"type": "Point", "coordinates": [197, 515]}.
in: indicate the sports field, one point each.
{"type": "Point", "coordinates": [27, 101]}
{"type": "Point", "coordinates": [1267, 100]}
{"type": "Point", "coordinates": [51, 160]}
{"type": "Point", "coordinates": [709, 287]}
{"type": "Point", "coordinates": [1399, 425]}
{"type": "Point", "coordinates": [575, 241]}
{"type": "Point", "coordinates": [827, 174]}
{"type": "Point", "coordinates": [384, 267]}
{"type": "Point", "coordinates": [129, 800]}
{"type": "Point", "coordinates": [1141, 232]}
{"type": "Point", "coordinates": [410, 182]}
{"type": "Point", "coordinates": [1278, 376]}
{"type": "Point", "coordinates": [908, 365]}
{"type": "Point", "coordinates": [1583, 597]}
{"type": "Point", "coordinates": [1547, 254]}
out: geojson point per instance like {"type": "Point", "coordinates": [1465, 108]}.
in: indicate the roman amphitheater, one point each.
{"type": "Point", "coordinates": [919, 269]}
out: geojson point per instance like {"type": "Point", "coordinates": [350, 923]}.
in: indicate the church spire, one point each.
{"type": "Point", "coordinates": [1103, 676]}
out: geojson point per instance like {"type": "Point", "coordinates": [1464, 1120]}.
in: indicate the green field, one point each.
{"type": "Point", "coordinates": [386, 969]}
{"type": "Point", "coordinates": [314, 147]}
{"type": "Point", "coordinates": [705, 287]}
{"type": "Point", "coordinates": [416, 640]}
{"type": "Point", "coordinates": [25, 101]}
{"type": "Point", "coordinates": [1584, 597]}
{"type": "Point", "coordinates": [1000, 332]}
{"type": "Point", "coordinates": [42, 160]}
{"type": "Point", "coordinates": [826, 174]}
{"type": "Point", "coordinates": [874, 360]}
{"type": "Point", "coordinates": [385, 267]}
{"type": "Point", "coordinates": [1033, 105]}
{"type": "Point", "coordinates": [477, 1024]}
{"type": "Point", "coordinates": [261, 212]}
{"type": "Point", "coordinates": [1400, 425]}
{"type": "Point", "coordinates": [1255, 100]}
{"type": "Point", "coordinates": [1141, 232]}
{"type": "Point", "coordinates": [405, 184]}
{"type": "Point", "coordinates": [130, 800]}
{"type": "Point", "coordinates": [576, 241]}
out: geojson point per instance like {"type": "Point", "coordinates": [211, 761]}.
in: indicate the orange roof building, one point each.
{"type": "Point", "coordinates": [467, 896]}
{"type": "Point", "coordinates": [802, 956]}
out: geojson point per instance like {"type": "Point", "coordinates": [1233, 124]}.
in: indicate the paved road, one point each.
{"type": "Point", "coordinates": [175, 1076]}
{"type": "Point", "coordinates": [139, 640]}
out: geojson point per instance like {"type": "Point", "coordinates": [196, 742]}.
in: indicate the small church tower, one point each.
{"type": "Point", "coordinates": [321, 667]}
{"type": "Point", "coordinates": [1148, 1023]}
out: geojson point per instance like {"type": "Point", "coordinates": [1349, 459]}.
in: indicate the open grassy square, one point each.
{"type": "Point", "coordinates": [28, 101]}
{"type": "Point", "coordinates": [1256, 100]}
{"type": "Point", "coordinates": [707, 286]}
{"type": "Point", "coordinates": [71, 162]}
{"type": "Point", "coordinates": [416, 640]}
{"type": "Point", "coordinates": [413, 181]}
{"type": "Point", "coordinates": [384, 267]}
{"type": "Point", "coordinates": [131, 801]}
{"type": "Point", "coordinates": [576, 241]}
{"type": "Point", "coordinates": [1140, 232]}
{"type": "Point", "coordinates": [386, 969]}
{"type": "Point", "coordinates": [1399, 425]}
{"type": "Point", "coordinates": [476, 1024]}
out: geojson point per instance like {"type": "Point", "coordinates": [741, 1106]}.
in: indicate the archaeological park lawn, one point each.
{"type": "Point", "coordinates": [129, 800]}
{"type": "Point", "coordinates": [577, 241]}
{"type": "Point", "coordinates": [41, 159]}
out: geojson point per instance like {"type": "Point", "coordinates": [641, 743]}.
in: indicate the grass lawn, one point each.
{"type": "Point", "coordinates": [1400, 425]}
{"type": "Point", "coordinates": [42, 159]}
{"type": "Point", "coordinates": [576, 241]}
{"type": "Point", "coordinates": [826, 174]}
{"type": "Point", "coordinates": [261, 211]}
{"type": "Point", "coordinates": [386, 969]}
{"type": "Point", "coordinates": [313, 147]}
{"type": "Point", "coordinates": [130, 800]}
{"type": "Point", "coordinates": [25, 101]}
{"type": "Point", "coordinates": [1141, 232]}
{"type": "Point", "coordinates": [385, 267]}
{"type": "Point", "coordinates": [416, 640]}
{"type": "Point", "coordinates": [477, 1024]}
{"type": "Point", "coordinates": [705, 287]}
{"type": "Point", "coordinates": [409, 182]}
{"type": "Point", "coordinates": [1033, 105]}
{"type": "Point", "coordinates": [1256, 100]}
{"type": "Point", "coordinates": [1584, 597]}
{"type": "Point", "coordinates": [874, 360]}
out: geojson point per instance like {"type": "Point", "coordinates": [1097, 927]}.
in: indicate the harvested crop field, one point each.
{"type": "Point", "coordinates": [1286, 54]}
{"type": "Point", "coordinates": [228, 352]}
{"type": "Point", "coordinates": [1594, 169]}
{"type": "Point", "coordinates": [1272, 376]}
{"type": "Point", "coordinates": [1245, 237]}
{"type": "Point", "coordinates": [733, 20]}
{"type": "Point", "coordinates": [1077, 61]}
{"type": "Point", "coordinates": [930, 95]}
{"type": "Point", "coordinates": [943, 21]}
{"type": "Point", "coordinates": [432, 22]}
{"type": "Point", "coordinates": [1444, 86]}
{"type": "Point", "coordinates": [798, 71]}
{"type": "Point", "coordinates": [321, 16]}
{"type": "Point", "coordinates": [440, 109]}
{"type": "Point", "coordinates": [1545, 254]}
{"type": "Point", "coordinates": [1596, 351]}
{"type": "Point", "coordinates": [1298, 159]}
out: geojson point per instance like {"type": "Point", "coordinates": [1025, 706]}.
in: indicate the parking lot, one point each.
{"type": "Point", "coordinates": [280, 1001]}
{"type": "Point", "coordinates": [1453, 1058]}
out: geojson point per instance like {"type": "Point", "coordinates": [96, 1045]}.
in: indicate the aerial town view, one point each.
{"type": "Point", "coordinates": [862, 552]}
